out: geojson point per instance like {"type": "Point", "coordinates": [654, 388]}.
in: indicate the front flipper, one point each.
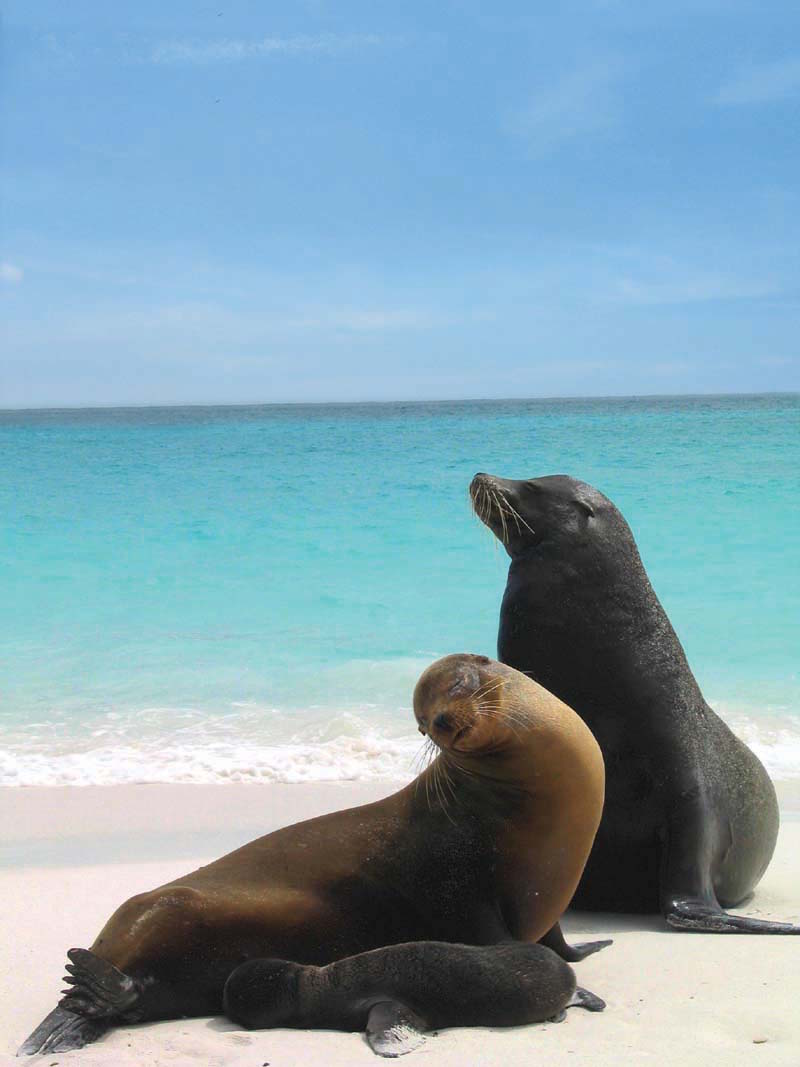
{"type": "Point", "coordinates": [62, 1031]}
{"type": "Point", "coordinates": [393, 1029]}
{"type": "Point", "coordinates": [554, 940]}
{"type": "Point", "coordinates": [702, 917]}
{"type": "Point", "coordinates": [582, 998]}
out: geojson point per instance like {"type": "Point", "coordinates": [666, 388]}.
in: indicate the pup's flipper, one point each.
{"type": "Point", "coordinates": [393, 1029]}
{"type": "Point", "coordinates": [582, 998]}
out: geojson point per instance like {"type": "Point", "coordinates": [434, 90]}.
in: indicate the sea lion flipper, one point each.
{"type": "Point", "coordinates": [688, 914]}
{"type": "Point", "coordinates": [393, 1029]}
{"type": "Point", "coordinates": [62, 1031]}
{"type": "Point", "coordinates": [582, 998]}
{"type": "Point", "coordinates": [98, 988]}
{"type": "Point", "coordinates": [554, 940]}
{"type": "Point", "coordinates": [99, 993]}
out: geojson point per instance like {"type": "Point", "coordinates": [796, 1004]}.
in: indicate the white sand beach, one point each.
{"type": "Point", "coordinates": [70, 856]}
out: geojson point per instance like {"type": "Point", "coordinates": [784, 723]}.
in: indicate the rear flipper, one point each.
{"type": "Point", "coordinates": [688, 896]}
{"type": "Point", "coordinates": [698, 915]}
{"type": "Point", "coordinates": [99, 989]}
{"type": "Point", "coordinates": [554, 940]}
{"type": "Point", "coordinates": [99, 996]}
{"type": "Point", "coordinates": [582, 998]}
{"type": "Point", "coordinates": [393, 1029]}
{"type": "Point", "coordinates": [62, 1031]}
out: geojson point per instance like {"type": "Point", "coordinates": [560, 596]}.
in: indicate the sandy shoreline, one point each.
{"type": "Point", "coordinates": [69, 856]}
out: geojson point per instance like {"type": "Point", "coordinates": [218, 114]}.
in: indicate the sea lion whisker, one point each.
{"type": "Point", "coordinates": [479, 502]}
{"type": "Point", "coordinates": [416, 762]}
{"type": "Point", "coordinates": [447, 779]}
{"type": "Point", "coordinates": [434, 790]}
{"type": "Point", "coordinates": [459, 765]}
{"type": "Point", "coordinates": [482, 508]}
{"type": "Point", "coordinates": [517, 516]}
{"type": "Point", "coordinates": [505, 721]}
{"type": "Point", "coordinates": [505, 715]}
{"type": "Point", "coordinates": [488, 688]}
{"type": "Point", "coordinates": [502, 514]}
{"type": "Point", "coordinates": [443, 798]}
{"type": "Point", "coordinates": [488, 503]}
{"type": "Point", "coordinates": [479, 505]}
{"type": "Point", "coordinates": [437, 788]}
{"type": "Point", "coordinates": [509, 510]}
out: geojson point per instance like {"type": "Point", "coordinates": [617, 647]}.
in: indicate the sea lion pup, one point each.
{"type": "Point", "coordinates": [691, 816]}
{"type": "Point", "coordinates": [487, 844]}
{"type": "Point", "coordinates": [397, 992]}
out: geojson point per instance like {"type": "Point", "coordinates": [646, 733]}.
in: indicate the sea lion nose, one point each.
{"type": "Point", "coordinates": [442, 722]}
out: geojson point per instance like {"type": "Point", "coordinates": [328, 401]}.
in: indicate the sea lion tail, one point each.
{"type": "Point", "coordinates": [98, 995]}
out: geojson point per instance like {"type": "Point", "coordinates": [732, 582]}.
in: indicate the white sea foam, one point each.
{"type": "Point", "coordinates": [774, 736]}
{"type": "Point", "coordinates": [341, 759]}
{"type": "Point", "coordinates": [246, 744]}
{"type": "Point", "coordinates": [249, 743]}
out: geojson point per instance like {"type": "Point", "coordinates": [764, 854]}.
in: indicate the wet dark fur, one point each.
{"type": "Point", "coordinates": [435, 984]}
{"type": "Point", "coordinates": [691, 817]}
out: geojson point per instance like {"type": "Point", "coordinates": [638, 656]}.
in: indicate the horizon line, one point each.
{"type": "Point", "coordinates": [241, 404]}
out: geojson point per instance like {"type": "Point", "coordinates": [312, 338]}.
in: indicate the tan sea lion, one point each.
{"type": "Point", "coordinates": [486, 845]}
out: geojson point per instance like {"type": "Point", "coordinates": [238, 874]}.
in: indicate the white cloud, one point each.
{"type": "Point", "coordinates": [690, 288]}
{"type": "Point", "coordinates": [582, 102]}
{"type": "Point", "coordinates": [229, 51]}
{"type": "Point", "coordinates": [385, 319]}
{"type": "Point", "coordinates": [776, 361]}
{"type": "Point", "coordinates": [762, 84]}
{"type": "Point", "coordinates": [10, 273]}
{"type": "Point", "coordinates": [193, 327]}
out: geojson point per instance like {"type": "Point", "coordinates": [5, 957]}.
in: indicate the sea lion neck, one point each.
{"type": "Point", "coordinates": [525, 768]}
{"type": "Point", "coordinates": [615, 621]}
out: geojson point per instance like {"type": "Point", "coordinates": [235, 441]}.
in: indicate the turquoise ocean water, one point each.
{"type": "Point", "coordinates": [215, 594]}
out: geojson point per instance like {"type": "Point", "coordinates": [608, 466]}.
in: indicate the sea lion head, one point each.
{"type": "Point", "coordinates": [458, 704]}
{"type": "Point", "coordinates": [557, 511]}
{"type": "Point", "coordinates": [262, 993]}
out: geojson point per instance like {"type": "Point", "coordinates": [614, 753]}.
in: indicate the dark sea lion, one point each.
{"type": "Point", "coordinates": [395, 993]}
{"type": "Point", "coordinates": [691, 817]}
{"type": "Point", "coordinates": [486, 845]}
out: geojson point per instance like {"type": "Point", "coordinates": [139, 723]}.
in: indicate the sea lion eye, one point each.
{"type": "Point", "coordinates": [587, 509]}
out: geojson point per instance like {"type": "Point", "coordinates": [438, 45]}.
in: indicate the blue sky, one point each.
{"type": "Point", "coordinates": [242, 202]}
